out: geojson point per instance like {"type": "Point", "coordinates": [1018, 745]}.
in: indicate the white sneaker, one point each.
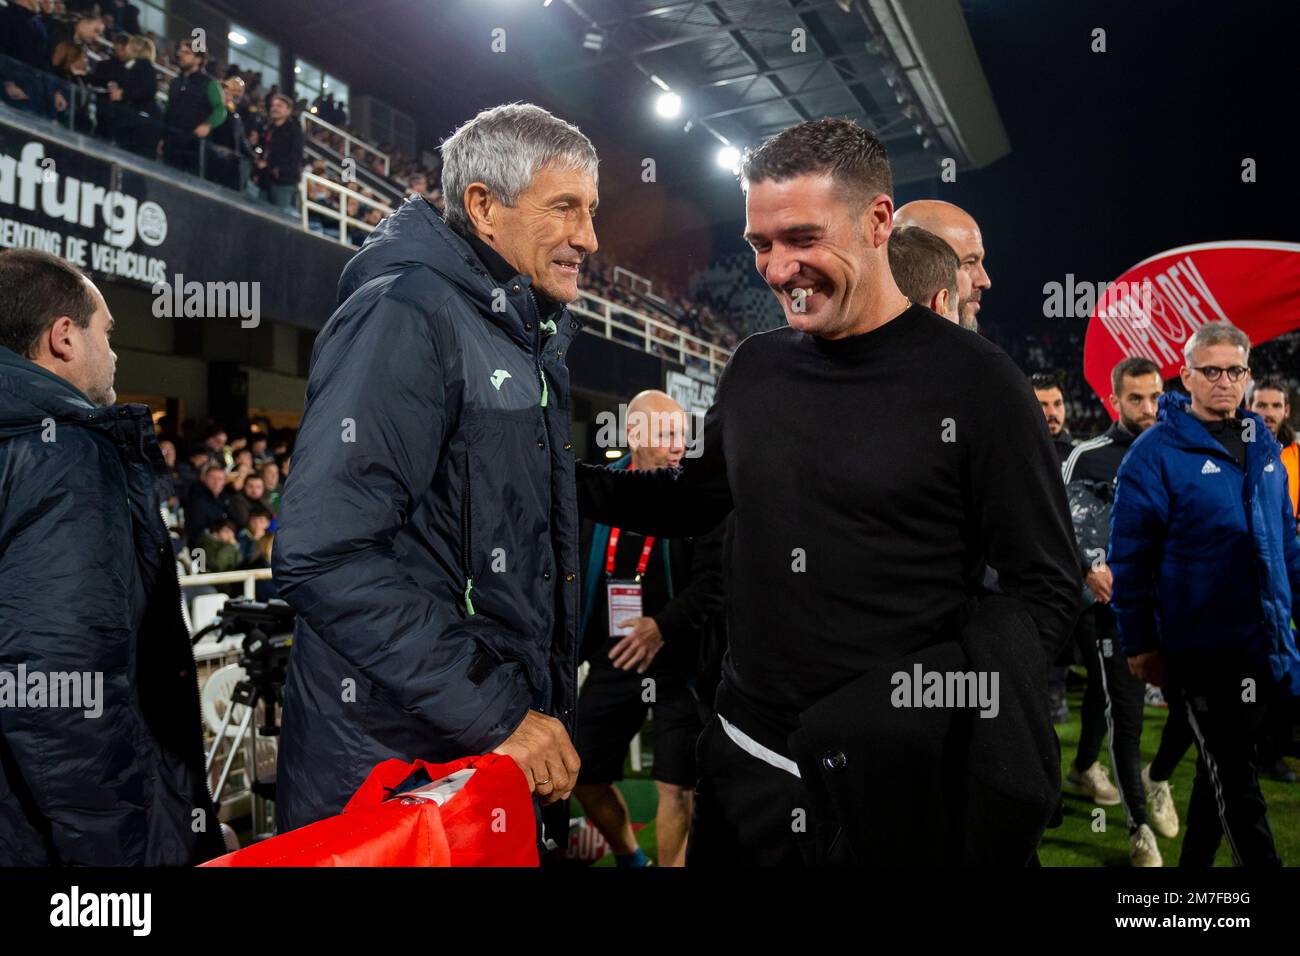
{"type": "Point", "coordinates": [1164, 815]}
{"type": "Point", "coordinates": [1093, 782]}
{"type": "Point", "coordinates": [1142, 849]}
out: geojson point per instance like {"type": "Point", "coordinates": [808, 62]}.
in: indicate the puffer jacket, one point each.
{"type": "Point", "coordinates": [1204, 557]}
{"type": "Point", "coordinates": [429, 529]}
{"type": "Point", "coordinates": [88, 586]}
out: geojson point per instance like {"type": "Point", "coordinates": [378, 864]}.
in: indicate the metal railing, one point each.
{"type": "Point", "coordinates": [653, 335]}
{"type": "Point", "coordinates": [345, 220]}
{"type": "Point", "coordinates": [349, 140]}
{"type": "Point", "coordinates": [248, 577]}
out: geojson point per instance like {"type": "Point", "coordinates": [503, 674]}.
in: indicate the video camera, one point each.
{"type": "Point", "coordinates": [268, 638]}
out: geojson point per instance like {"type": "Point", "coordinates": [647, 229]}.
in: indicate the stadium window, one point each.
{"type": "Point", "coordinates": [153, 16]}
{"type": "Point", "coordinates": [311, 83]}
{"type": "Point", "coordinates": [252, 52]}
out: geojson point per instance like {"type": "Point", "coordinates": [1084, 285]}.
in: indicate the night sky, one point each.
{"type": "Point", "coordinates": [1119, 155]}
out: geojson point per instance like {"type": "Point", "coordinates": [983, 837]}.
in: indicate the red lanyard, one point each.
{"type": "Point", "coordinates": [613, 546]}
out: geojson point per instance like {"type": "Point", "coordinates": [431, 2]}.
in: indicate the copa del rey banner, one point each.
{"type": "Point", "coordinates": [1154, 307]}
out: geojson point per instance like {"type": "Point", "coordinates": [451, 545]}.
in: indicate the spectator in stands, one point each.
{"type": "Point", "coordinates": [280, 167]}
{"type": "Point", "coordinates": [137, 123]}
{"type": "Point", "coordinates": [72, 97]}
{"type": "Point", "coordinates": [124, 16]}
{"type": "Point", "coordinates": [254, 551]}
{"type": "Point", "coordinates": [215, 443]}
{"type": "Point", "coordinates": [220, 547]}
{"type": "Point", "coordinates": [240, 504]}
{"type": "Point", "coordinates": [83, 32]}
{"type": "Point", "coordinates": [257, 444]}
{"type": "Point", "coordinates": [1206, 581]}
{"type": "Point", "coordinates": [232, 163]}
{"type": "Point", "coordinates": [206, 503]}
{"type": "Point", "coordinates": [959, 229]}
{"type": "Point", "coordinates": [111, 71]}
{"type": "Point", "coordinates": [925, 268]}
{"type": "Point", "coordinates": [195, 107]}
{"type": "Point", "coordinates": [188, 472]}
{"type": "Point", "coordinates": [270, 473]}
{"type": "Point", "coordinates": [172, 478]}
{"type": "Point", "coordinates": [25, 40]}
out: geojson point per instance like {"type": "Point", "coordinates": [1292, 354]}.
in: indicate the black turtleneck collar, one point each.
{"type": "Point", "coordinates": [502, 271]}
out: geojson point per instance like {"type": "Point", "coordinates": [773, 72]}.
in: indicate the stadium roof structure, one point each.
{"type": "Point", "coordinates": [746, 70]}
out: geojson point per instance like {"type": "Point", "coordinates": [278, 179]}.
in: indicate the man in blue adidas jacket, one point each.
{"type": "Point", "coordinates": [1206, 568]}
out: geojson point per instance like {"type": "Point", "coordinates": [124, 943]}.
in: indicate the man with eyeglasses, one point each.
{"type": "Point", "coordinates": [1206, 581]}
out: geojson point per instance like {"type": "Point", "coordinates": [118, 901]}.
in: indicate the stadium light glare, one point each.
{"type": "Point", "coordinates": [668, 105]}
{"type": "Point", "coordinates": [613, 453]}
{"type": "Point", "coordinates": [729, 158]}
{"type": "Point", "coordinates": [238, 39]}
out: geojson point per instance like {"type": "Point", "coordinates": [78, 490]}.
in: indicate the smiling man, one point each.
{"type": "Point", "coordinates": [429, 531]}
{"type": "Point", "coordinates": [867, 503]}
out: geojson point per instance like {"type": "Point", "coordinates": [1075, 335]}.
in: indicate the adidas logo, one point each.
{"type": "Point", "coordinates": [1209, 468]}
{"type": "Point", "coordinates": [499, 376]}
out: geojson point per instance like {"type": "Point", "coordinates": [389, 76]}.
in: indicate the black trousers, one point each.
{"type": "Point", "coordinates": [1176, 739]}
{"type": "Point", "coordinates": [1226, 799]}
{"type": "Point", "coordinates": [1112, 705]}
{"type": "Point", "coordinates": [747, 812]}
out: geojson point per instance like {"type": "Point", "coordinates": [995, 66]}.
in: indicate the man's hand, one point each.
{"type": "Point", "coordinates": [1099, 581]}
{"type": "Point", "coordinates": [540, 746]}
{"type": "Point", "coordinates": [60, 104]}
{"type": "Point", "coordinates": [1149, 667]}
{"type": "Point", "coordinates": [202, 130]}
{"type": "Point", "coordinates": [14, 91]}
{"type": "Point", "coordinates": [639, 648]}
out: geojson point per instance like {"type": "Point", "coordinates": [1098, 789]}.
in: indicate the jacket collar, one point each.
{"type": "Point", "coordinates": [503, 272]}
{"type": "Point", "coordinates": [1118, 434]}
{"type": "Point", "coordinates": [1185, 430]}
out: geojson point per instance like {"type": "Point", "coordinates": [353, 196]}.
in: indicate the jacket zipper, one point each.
{"type": "Point", "coordinates": [465, 541]}
{"type": "Point", "coordinates": [537, 351]}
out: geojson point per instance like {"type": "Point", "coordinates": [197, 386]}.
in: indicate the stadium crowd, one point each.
{"type": "Point", "coordinates": [222, 502]}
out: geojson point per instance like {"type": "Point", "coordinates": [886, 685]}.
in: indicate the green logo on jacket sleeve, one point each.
{"type": "Point", "coordinates": [499, 376]}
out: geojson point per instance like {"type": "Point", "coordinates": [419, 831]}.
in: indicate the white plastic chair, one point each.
{"type": "Point", "coordinates": [206, 609]}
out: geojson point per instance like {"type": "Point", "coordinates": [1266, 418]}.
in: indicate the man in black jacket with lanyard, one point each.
{"type": "Point", "coordinates": [866, 503]}
{"type": "Point", "coordinates": [645, 602]}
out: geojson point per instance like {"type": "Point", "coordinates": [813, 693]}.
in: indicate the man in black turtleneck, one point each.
{"type": "Point", "coordinates": [867, 503]}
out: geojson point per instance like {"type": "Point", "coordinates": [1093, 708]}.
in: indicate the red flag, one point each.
{"type": "Point", "coordinates": [475, 811]}
{"type": "Point", "coordinates": [1154, 307]}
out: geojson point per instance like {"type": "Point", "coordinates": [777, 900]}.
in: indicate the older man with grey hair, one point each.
{"type": "Point", "coordinates": [1205, 568]}
{"type": "Point", "coordinates": [429, 531]}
